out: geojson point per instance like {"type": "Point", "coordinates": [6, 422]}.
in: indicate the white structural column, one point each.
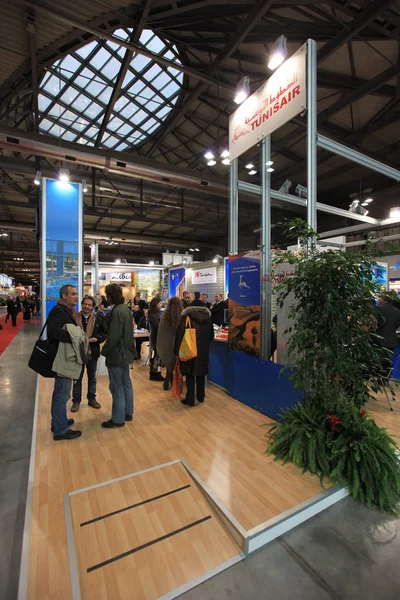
{"type": "Point", "coordinates": [233, 208]}
{"type": "Point", "coordinates": [312, 134]}
{"type": "Point", "coordinates": [94, 259]}
{"type": "Point", "coordinates": [265, 338]}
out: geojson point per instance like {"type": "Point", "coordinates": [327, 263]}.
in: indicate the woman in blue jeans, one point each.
{"type": "Point", "coordinates": [119, 351]}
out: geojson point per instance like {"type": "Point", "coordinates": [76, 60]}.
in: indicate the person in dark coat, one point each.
{"type": "Point", "coordinates": [93, 326]}
{"type": "Point", "coordinates": [142, 323]}
{"type": "Point", "coordinates": [139, 302]}
{"type": "Point", "coordinates": [218, 310]}
{"type": "Point", "coordinates": [27, 310]}
{"type": "Point", "coordinates": [13, 308]}
{"type": "Point", "coordinates": [154, 320]}
{"type": "Point", "coordinates": [204, 299]}
{"type": "Point", "coordinates": [388, 322]}
{"type": "Point", "coordinates": [63, 313]}
{"type": "Point", "coordinates": [196, 369]}
{"type": "Point", "coordinates": [166, 337]}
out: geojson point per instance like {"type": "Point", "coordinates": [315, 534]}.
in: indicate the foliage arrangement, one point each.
{"type": "Point", "coordinates": [339, 361]}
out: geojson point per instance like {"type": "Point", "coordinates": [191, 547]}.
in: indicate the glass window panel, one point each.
{"type": "Point", "coordinates": [95, 88]}
{"type": "Point", "coordinates": [169, 55]}
{"type": "Point", "coordinates": [69, 66]}
{"type": "Point", "coordinates": [124, 130]}
{"type": "Point", "coordinates": [152, 73]}
{"type": "Point", "coordinates": [120, 104]}
{"type": "Point", "coordinates": [128, 78]}
{"type": "Point", "coordinates": [93, 110]}
{"type": "Point", "coordinates": [86, 50]}
{"type": "Point", "coordinates": [156, 126]}
{"type": "Point", "coordinates": [114, 124]}
{"type": "Point", "coordinates": [138, 117]}
{"type": "Point", "coordinates": [140, 62]}
{"type": "Point", "coordinates": [164, 111]}
{"type": "Point", "coordinates": [56, 111]}
{"type": "Point", "coordinates": [82, 141]}
{"type": "Point", "coordinates": [70, 136]}
{"type": "Point", "coordinates": [81, 103]}
{"type": "Point", "coordinates": [136, 88]}
{"type": "Point", "coordinates": [92, 132]}
{"type": "Point", "coordinates": [129, 110]}
{"type": "Point", "coordinates": [149, 124]}
{"type": "Point", "coordinates": [147, 34]}
{"type": "Point", "coordinates": [43, 102]}
{"type": "Point", "coordinates": [122, 147]}
{"type": "Point", "coordinates": [106, 95]}
{"type": "Point", "coordinates": [110, 141]}
{"type": "Point", "coordinates": [161, 81]}
{"type": "Point", "coordinates": [146, 93]}
{"type": "Point", "coordinates": [101, 57]}
{"type": "Point", "coordinates": [174, 72]}
{"type": "Point", "coordinates": [54, 85]}
{"type": "Point", "coordinates": [152, 106]}
{"type": "Point", "coordinates": [45, 124]}
{"type": "Point", "coordinates": [155, 45]}
{"type": "Point", "coordinates": [57, 130]}
{"type": "Point", "coordinates": [170, 89]}
{"type": "Point", "coordinates": [111, 69]}
{"type": "Point", "coordinates": [69, 95]}
{"type": "Point", "coordinates": [45, 79]}
{"type": "Point", "coordinates": [80, 124]}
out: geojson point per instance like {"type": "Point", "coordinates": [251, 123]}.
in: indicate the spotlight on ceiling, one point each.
{"type": "Point", "coordinates": [250, 166]}
{"type": "Point", "coordinates": [270, 170]}
{"type": "Point", "coordinates": [151, 263]}
{"type": "Point", "coordinates": [217, 258]}
{"type": "Point", "coordinates": [395, 212]}
{"type": "Point", "coordinates": [209, 155]}
{"type": "Point", "coordinates": [269, 163]}
{"type": "Point", "coordinates": [242, 90]}
{"type": "Point", "coordinates": [357, 209]}
{"type": "Point", "coordinates": [64, 175]}
{"type": "Point", "coordinates": [252, 172]}
{"type": "Point", "coordinates": [225, 161]}
{"type": "Point", "coordinates": [278, 53]}
{"type": "Point", "coordinates": [84, 186]}
{"type": "Point", "coordinates": [368, 200]}
{"type": "Point", "coordinates": [211, 163]}
{"type": "Point", "coordinates": [38, 178]}
{"type": "Point", "coordinates": [225, 154]}
{"type": "Point", "coordinates": [117, 261]}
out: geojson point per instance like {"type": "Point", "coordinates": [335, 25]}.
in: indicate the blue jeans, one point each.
{"type": "Point", "coordinates": [122, 393]}
{"type": "Point", "coordinates": [91, 368]}
{"type": "Point", "coordinates": [59, 399]}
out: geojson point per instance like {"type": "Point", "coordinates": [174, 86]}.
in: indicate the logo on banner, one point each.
{"type": "Point", "coordinates": [277, 101]}
{"type": "Point", "coordinates": [120, 277]}
{"type": "Point", "coordinates": [201, 276]}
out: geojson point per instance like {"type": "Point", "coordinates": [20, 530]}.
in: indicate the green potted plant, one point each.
{"type": "Point", "coordinates": [338, 362]}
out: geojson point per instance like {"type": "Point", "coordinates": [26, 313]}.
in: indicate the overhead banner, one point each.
{"type": "Point", "coordinates": [244, 303]}
{"type": "Point", "coordinates": [204, 276]}
{"type": "Point", "coordinates": [282, 97]}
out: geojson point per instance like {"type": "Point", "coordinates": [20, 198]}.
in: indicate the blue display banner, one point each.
{"type": "Point", "coordinates": [244, 302]}
{"type": "Point", "coordinates": [177, 282]}
{"type": "Point", "coordinates": [61, 238]}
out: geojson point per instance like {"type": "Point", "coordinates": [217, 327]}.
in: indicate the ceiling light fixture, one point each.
{"type": "Point", "coordinates": [209, 155]}
{"type": "Point", "coordinates": [151, 263]}
{"type": "Point", "coordinates": [211, 163]}
{"type": "Point", "coordinates": [252, 172]}
{"type": "Point", "coordinates": [118, 261]}
{"type": "Point", "coordinates": [269, 163]}
{"type": "Point", "coordinates": [364, 204]}
{"type": "Point", "coordinates": [64, 175]}
{"type": "Point", "coordinates": [84, 186]}
{"type": "Point", "coordinates": [270, 170]}
{"type": "Point", "coordinates": [217, 258]}
{"type": "Point", "coordinates": [242, 90]}
{"type": "Point", "coordinates": [226, 161]}
{"type": "Point", "coordinates": [225, 154]}
{"type": "Point", "coordinates": [278, 53]}
{"type": "Point", "coordinates": [368, 200]}
{"type": "Point", "coordinates": [38, 178]}
{"type": "Point", "coordinates": [250, 166]}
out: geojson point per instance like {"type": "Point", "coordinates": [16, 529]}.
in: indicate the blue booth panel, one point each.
{"type": "Point", "coordinates": [218, 367]}
{"type": "Point", "coordinates": [276, 391]}
{"type": "Point", "coordinates": [244, 378]}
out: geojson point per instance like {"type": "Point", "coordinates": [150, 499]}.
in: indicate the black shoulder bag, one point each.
{"type": "Point", "coordinates": [42, 357]}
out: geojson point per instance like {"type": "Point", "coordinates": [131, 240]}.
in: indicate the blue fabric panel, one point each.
{"type": "Point", "coordinates": [275, 392]}
{"type": "Point", "coordinates": [243, 378]}
{"type": "Point", "coordinates": [218, 368]}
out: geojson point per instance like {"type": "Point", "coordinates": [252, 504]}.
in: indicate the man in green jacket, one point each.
{"type": "Point", "coordinates": [119, 351]}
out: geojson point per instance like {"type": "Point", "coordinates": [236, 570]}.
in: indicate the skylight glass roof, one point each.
{"type": "Point", "coordinates": [76, 90]}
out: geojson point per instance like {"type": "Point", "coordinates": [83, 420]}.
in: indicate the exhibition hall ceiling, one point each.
{"type": "Point", "coordinates": [63, 76]}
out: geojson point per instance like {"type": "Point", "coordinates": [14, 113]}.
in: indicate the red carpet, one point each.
{"type": "Point", "coordinates": [8, 333]}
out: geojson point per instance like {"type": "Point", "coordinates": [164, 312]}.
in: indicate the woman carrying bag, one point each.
{"type": "Point", "coordinates": [198, 317]}
{"type": "Point", "coordinates": [154, 320]}
{"type": "Point", "coordinates": [166, 337]}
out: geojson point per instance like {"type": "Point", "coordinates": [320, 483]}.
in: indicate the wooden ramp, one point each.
{"type": "Point", "coordinates": [147, 535]}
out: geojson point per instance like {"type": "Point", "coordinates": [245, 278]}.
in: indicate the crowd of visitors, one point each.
{"type": "Point", "coordinates": [30, 307]}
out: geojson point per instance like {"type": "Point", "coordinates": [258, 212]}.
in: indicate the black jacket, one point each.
{"type": "Point", "coordinates": [13, 307]}
{"type": "Point", "coordinates": [388, 322]}
{"type": "Point", "coordinates": [99, 332]}
{"type": "Point", "coordinates": [154, 318]}
{"type": "Point", "coordinates": [143, 323]}
{"type": "Point", "coordinates": [218, 313]}
{"type": "Point", "coordinates": [200, 319]}
{"type": "Point", "coordinates": [58, 317]}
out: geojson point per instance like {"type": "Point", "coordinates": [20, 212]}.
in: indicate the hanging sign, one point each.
{"type": "Point", "coordinates": [279, 99]}
{"type": "Point", "coordinates": [203, 276]}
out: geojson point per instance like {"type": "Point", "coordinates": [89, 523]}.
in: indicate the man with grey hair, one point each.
{"type": "Point", "coordinates": [62, 314]}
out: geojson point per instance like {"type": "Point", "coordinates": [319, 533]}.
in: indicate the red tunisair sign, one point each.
{"type": "Point", "coordinates": [279, 99]}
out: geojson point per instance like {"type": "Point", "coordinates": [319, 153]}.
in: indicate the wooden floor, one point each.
{"type": "Point", "coordinates": [167, 537]}
{"type": "Point", "coordinates": [222, 441]}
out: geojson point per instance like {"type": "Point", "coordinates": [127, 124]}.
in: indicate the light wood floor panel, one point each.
{"type": "Point", "coordinates": [221, 440]}
{"type": "Point", "coordinates": [171, 562]}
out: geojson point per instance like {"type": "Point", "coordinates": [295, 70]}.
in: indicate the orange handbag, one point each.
{"type": "Point", "coordinates": [188, 347]}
